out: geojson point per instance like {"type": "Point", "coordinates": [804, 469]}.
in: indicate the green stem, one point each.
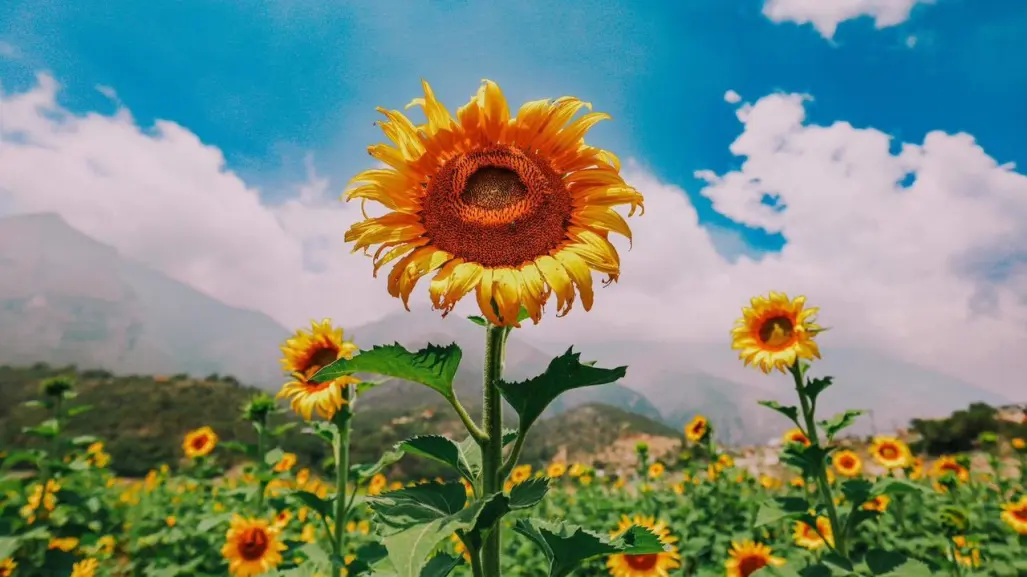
{"type": "Point", "coordinates": [341, 455]}
{"type": "Point", "coordinates": [492, 448]}
{"type": "Point", "coordinates": [821, 472]}
{"type": "Point", "coordinates": [261, 465]}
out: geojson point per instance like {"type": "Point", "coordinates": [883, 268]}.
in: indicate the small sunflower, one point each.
{"type": "Point", "coordinates": [556, 469]}
{"type": "Point", "coordinates": [1014, 514]}
{"type": "Point", "coordinates": [965, 552]}
{"type": "Point", "coordinates": [796, 436]}
{"type": "Point", "coordinates": [305, 354]}
{"type": "Point", "coordinates": [949, 466]}
{"type": "Point", "coordinates": [377, 484]}
{"type": "Point", "coordinates": [286, 463]}
{"type": "Point", "coordinates": [251, 547]}
{"type": "Point", "coordinates": [695, 431]}
{"type": "Point", "coordinates": [199, 442]}
{"type": "Point", "coordinates": [459, 548]}
{"type": "Point", "coordinates": [7, 567]}
{"type": "Point", "coordinates": [513, 207]}
{"type": "Point", "coordinates": [806, 537]}
{"type": "Point", "coordinates": [775, 332]}
{"type": "Point", "coordinates": [878, 503]}
{"type": "Point", "coordinates": [890, 452]}
{"type": "Point", "coordinates": [747, 557]}
{"type": "Point", "coordinates": [1018, 443]}
{"type": "Point", "coordinates": [649, 565]}
{"type": "Point", "coordinates": [85, 568]}
{"type": "Point", "coordinates": [656, 470]}
{"type": "Point", "coordinates": [847, 463]}
{"type": "Point", "coordinates": [520, 474]}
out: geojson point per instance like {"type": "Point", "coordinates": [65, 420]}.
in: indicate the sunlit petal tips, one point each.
{"type": "Point", "coordinates": [774, 332]}
{"type": "Point", "coordinates": [512, 207]}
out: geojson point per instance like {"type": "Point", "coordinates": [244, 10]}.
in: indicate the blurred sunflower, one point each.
{"type": "Point", "coordinates": [965, 553]}
{"type": "Point", "coordinates": [947, 465]}
{"type": "Point", "coordinates": [7, 567]}
{"type": "Point", "coordinates": [695, 431]}
{"type": "Point", "coordinates": [847, 463]}
{"type": "Point", "coordinates": [878, 503]}
{"type": "Point", "coordinates": [656, 470]}
{"type": "Point", "coordinates": [515, 208]}
{"type": "Point", "coordinates": [199, 442]}
{"type": "Point", "coordinates": [1014, 514]}
{"type": "Point", "coordinates": [251, 547]}
{"type": "Point", "coordinates": [1018, 443]}
{"type": "Point", "coordinates": [305, 354]}
{"type": "Point", "coordinates": [796, 436]}
{"type": "Point", "coordinates": [652, 564]}
{"type": "Point", "coordinates": [808, 538]}
{"type": "Point", "coordinates": [85, 568]}
{"type": "Point", "coordinates": [459, 548]}
{"type": "Point", "coordinates": [890, 452]}
{"type": "Point", "coordinates": [775, 332]}
{"type": "Point", "coordinates": [377, 484]}
{"type": "Point", "coordinates": [286, 463]}
{"type": "Point", "coordinates": [556, 469]}
{"type": "Point", "coordinates": [520, 474]}
{"type": "Point", "coordinates": [747, 557]}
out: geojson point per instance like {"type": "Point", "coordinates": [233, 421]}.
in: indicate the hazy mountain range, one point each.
{"type": "Point", "coordinates": [66, 298]}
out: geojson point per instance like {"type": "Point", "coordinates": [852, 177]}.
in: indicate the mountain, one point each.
{"type": "Point", "coordinates": [67, 299]}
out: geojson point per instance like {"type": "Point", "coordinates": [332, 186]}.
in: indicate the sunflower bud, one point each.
{"type": "Point", "coordinates": [257, 409]}
{"type": "Point", "coordinates": [954, 521]}
{"type": "Point", "coordinates": [56, 387]}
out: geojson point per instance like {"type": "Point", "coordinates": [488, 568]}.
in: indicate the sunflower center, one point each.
{"type": "Point", "coordinates": [497, 206]}
{"type": "Point", "coordinates": [199, 441]}
{"type": "Point", "coordinates": [642, 562]}
{"type": "Point", "coordinates": [750, 564]}
{"type": "Point", "coordinates": [777, 331]}
{"type": "Point", "coordinates": [847, 462]}
{"type": "Point", "coordinates": [253, 544]}
{"type": "Point", "coordinates": [889, 452]}
{"type": "Point", "coordinates": [1020, 514]}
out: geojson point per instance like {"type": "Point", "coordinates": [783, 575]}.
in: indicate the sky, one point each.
{"type": "Point", "coordinates": [866, 153]}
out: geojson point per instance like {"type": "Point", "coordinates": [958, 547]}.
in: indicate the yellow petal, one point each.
{"type": "Point", "coordinates": [534, 293]}
{"type": "Point", "coordinates": [496, 112]}
{"type": "Point", "coordinates": [601, 218]}
{"type": "Point", "coordinates": [557, 279]}
{"type": "Point", "coordinates": [401, 131]}
{"type": "Point", "coordinates": [484, 295]}
{"type": "Point", "coordinates": [425, 260]}
{"type": "Point", "coordinates": [436, 113]}
{"type": "Point", "coordinates": [454, 280]}
{"type": "Point", "coordinates": [579, 273]}
{"type": "Point", "coordinates": [506, 292]}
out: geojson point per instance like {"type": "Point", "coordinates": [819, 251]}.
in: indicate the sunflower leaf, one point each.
{"type": "Point", "coordinates": [434, 366]}
{"type": "Point", "coordinates": [566, 372]}
{"type": "Point", "coordinates": [789, 411]}
{"type": "Point", "coordinates": [840, 422]}
{"type": "Point", "coordinates": [781, 508]}
{"type": "Point", "coordinates": [814, 387]}
{"type": "Point", "coordinates": [894, 564]}
{"type": "Point", "coordinates": [323, 507]}
{"type": "Point", "coordinates": [894, 486]}
{"type": "Point", "coordinates": [567, 546]}
{"type": "Point", "coordinates": [529, 493]}
{"type": "Point", "coordinates": [459, 456]}
{"type": "Point", "coordinates": [362, 473]}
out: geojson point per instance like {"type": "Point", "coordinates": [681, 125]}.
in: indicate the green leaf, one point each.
{"type": "Point", "coordinates": [531, 397]}
{"type": "Point", "coordinates": [894, 564]}
{"type": "Point", "coordinates": [816, 386]}
{"type": "Point", "coordinates": [567, 546]}
{"type": "Point", "coordinates": [367, 556]}
{"type": "Point", "coordinates": [785, 571]}
{"type": "Point", "coordinates": [857, 491]}
{"type": "Point", "coordinates": [239, 447]}
{"type": "Point", "coordinates": [529, 493]}
{"type": "Point", "coordinates": [322, 506]}
{"type": "Point", "coordinates": [209, 523]}
{"type": "Point", "coordinates": [781, 508]}
{"type": "Point", "coordinates": [894, 486]}
{"type": "Point", "coordinates": [789, 411]}
{"type": "Point", "coordinates": [273, 456]}
{"type": "Point", "coordinates": [433, 366]}
{"type": "Point", "coordinates": [283, 428]}
{"type": "Point", "coordinates": [364, 472]}
{"type": "Point", "coordinates": [441, 565]}
{"type": "Point", "coordinates": [79, 410]}
{"type": "Point", "coordinates": [459, 456]}
{"type": "Point", "coordinates": [839, 422]}
{"type": "Point", "coordinates": [806, 459]}
{"type": "Point", "coordinates": [411, 506]}
{"type": "Point", "coordinates": [8, 547]}
{"type": "Point", "coordinates": [48, 429]}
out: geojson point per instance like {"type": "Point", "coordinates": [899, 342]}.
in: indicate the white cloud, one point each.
{"type": "Point", "coordinates": [732, 97]}
{"type": "Point", "coordinates": [826, 15]}
{"type": "Point", "coordinates": [931, 271]}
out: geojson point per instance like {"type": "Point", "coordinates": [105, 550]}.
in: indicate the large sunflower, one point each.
{"type": "Point", "coordinates": [649, 565]}
{"type": "Point", "coordinates": [1014, 514]}
{"type": "Point", "coordinates": [775, 332]}
{"type": "Point", "coordinates": [747, 557]}
{"type": "Point", "coordinates": [199, 442]}
{"type": "Point", "coordinates": [514, 208]}
{"type": "Point", "coordinates": [304, 355]}
{"type": "Point", "coordinates": [890, 452]}
{"type": "Point", "coordinates": [251, 547]}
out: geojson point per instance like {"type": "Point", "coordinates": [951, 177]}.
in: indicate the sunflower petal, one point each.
{"type": "Point", "coordinates": [558, 280]}
{"type": "Point", "coordinates": [454, 280]}
{"type": "Point", "coordinates": [484, 295]}
{"type": "Point", "coordinates": [579, 272]}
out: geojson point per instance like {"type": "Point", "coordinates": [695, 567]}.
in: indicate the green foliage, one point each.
{"type": "Point", "coordinates": [960, 431]}
{"type": "Point", "coordinates": [433, 366]}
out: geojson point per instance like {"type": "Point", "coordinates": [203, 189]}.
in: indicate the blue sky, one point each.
{"type": "Point", "coordinates": [270, 82]}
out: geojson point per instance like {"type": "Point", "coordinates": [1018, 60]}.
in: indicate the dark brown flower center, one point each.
{"type": "Point", "coordinates": [498, 206]}
{"type": "Point", "coordinates": [777, 331]}
{"type": "Point", "coordinates": [1020, 513]}
{"type": "Point", "coordinates": [199, 441]}
{"type": "Point", "coordinates": [750, 564]}
{"type": "Point", "coordinates": [847, 462]}
{"type": "Point", "coordinates": [889, 452]}
{"type": "Point", "coordinates": [253, 544]}
{"type": "Point", "coordinates": [642, 562]}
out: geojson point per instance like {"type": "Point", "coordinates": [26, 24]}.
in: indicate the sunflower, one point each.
{"type": "Point", "coordinates": [251, 547]}
{"type": "Point", "coordinates": [1014, 514]}
{"type": "Point", "coordinates": [656, 470]}
{"type": "Point", "coordinates": [847, 463]}
{"type": "Point", "coordinates": [890, 452]}
{"type": "Point", "coordinates": [649, 565]}
{"type": "Point", "coordinates": [878, 503]}
{"type": "Point", "coordinates": [520, 474]}
{"type": "Point", "coordinates": [7, 567]}
{"type": "Point", "coordinates": [775, 332]}
{"type": "Point", "coordinates": [695, 431]}
{"type": "Point", "coordinates": [199, 442]}
{"type": "Point", "coordinates": [947, 465]}
{"type": "Point", "coordinates": [805, 536]}
{"type": "Point", "coordinates": [748, 557]}
{"type": "Point", "coordinates": [796, 436]}
{"type": "Point", "coordinates": [377, 484]}
{"type": "Point", "coordinates": [459, 548]}
{"type": "Point", "coordinates": [1018, 443]}
{"type": "Point", "coordinates": [556, 469]}
{"type": "Point", "coordinates": [304, 355]}
{"type": "Point", "coordinates": [85, 568]}
{"type": "Point", "coordinates": [286, 463]}
{"type": "Point", "coordinates": [515, 208]}
{"type": "Point", "coordinates": [965, 552]}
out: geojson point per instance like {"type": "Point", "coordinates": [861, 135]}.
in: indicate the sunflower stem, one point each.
{"type": "Point", "coordinates": [341, 454]}
{"type": "Point", "coordinates": [821, 469]}
{"type": "Point", "coordinates": [492, 448]}
{"type": "Point", "coordinates": [261, 427]}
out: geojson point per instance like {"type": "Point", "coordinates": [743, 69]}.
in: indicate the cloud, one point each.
{"type": "Point", "coordinates": [732, 97]}
{"type": "Point", "coordinates": [920, 252]}
{"type": "Point", "coordinates": [826, 15]}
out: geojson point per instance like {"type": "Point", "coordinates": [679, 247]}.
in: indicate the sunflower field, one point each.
{"type": "Point", "coordinates": [518, 209]}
